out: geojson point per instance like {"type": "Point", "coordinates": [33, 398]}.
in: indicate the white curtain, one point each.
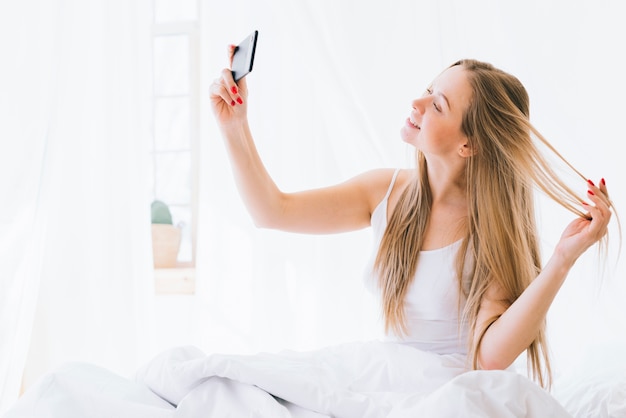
{"type": "Point", "coordinates": [75, 235]}
{"type": "Point", "coordinates": [20, 220]}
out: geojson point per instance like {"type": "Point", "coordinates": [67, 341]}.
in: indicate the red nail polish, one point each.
{"type": "Point", "coordinates": [232, 103]}
{"type": "Point", "coordinates": [233, 89]}
{"type": "Point", "coordinates": [603, 182]}
{"type": "Point", "coordinates": [239, 100]}
{"type": "Point", "coordinates": [590, 192]}
{"type": "Point", "coordinates": [590, 182]}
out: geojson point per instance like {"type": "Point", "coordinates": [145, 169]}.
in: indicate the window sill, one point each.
{"type": "Point", "coordinates": [175, 281]}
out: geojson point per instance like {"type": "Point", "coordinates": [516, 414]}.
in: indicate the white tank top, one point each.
{"type": "Point", "coordinates": [432, 300]}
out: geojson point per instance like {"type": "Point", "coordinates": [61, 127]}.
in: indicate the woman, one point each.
{"type": "Point", "coordinates": [471, 194]}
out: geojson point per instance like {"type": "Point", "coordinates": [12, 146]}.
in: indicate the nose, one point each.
{"type": "Point", "coordinates": [419, 104]}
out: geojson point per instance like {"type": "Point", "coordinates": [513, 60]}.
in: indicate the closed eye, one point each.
{"type": "Point", "coordinates": [429, 91]}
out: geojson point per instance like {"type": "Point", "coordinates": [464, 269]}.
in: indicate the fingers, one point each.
{"type": "Point", "coordinates": [230, 52]}
{"type": "Point", "coordinates": [226, 88]}
{"type": "Point", "coordinates": [236, 89]}
{"type": "Point", "coordinates": [600, 211]}
{"type": "Point", "coordinates": [219, 90]}
{"type": "Point", "coordinates": [599, 192]}
{"type": "Point", "coordinates": [602, 187]}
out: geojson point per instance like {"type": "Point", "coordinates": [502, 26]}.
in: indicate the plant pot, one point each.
{"type": "Point", "coordinates": [165, 245]}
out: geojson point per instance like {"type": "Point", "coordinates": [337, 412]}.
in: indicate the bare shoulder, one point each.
{"type": "Point", "coordinates": [375, 184]}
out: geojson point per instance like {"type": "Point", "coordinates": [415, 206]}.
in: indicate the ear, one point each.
{"type": "Point", "coordinates": [466, 150]}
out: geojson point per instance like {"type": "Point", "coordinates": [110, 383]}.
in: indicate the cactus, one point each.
{"type": "Point", "coordinates": [161, 213]}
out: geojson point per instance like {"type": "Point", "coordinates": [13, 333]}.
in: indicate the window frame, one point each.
{"type": "Point", "coordinates": [184, 271]}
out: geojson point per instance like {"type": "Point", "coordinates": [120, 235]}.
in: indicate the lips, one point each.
{"type": "Point", "coordinates": [412, 124]}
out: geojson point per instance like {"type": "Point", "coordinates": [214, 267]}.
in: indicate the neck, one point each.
{"type": "Point", "coordinates": [447, 183]}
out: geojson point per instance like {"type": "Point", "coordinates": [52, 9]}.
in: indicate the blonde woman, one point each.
{"type": "Point", "coordinates": [469, 204]}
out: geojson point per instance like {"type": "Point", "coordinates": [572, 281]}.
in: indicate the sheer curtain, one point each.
{"type": "Point", "coordinates": [23, 105]}
{"type": "Point", "coordinates": [331, 87]}
{"type": "Point", "coordinates": [75, 239]}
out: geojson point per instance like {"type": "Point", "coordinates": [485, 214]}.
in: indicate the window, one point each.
{"type": "Point", "coordinates": [174, 153]}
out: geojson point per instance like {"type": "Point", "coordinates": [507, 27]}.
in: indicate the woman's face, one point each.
{"type": "Point", "coordinates": [434, 125]}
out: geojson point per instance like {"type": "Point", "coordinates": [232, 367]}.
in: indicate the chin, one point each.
{"type": "Point", "coordinates": [408, 140]}
{"type": "Point", "coordinates": [407, 137]}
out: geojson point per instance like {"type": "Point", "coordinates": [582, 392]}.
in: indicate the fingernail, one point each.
{"type": "Point", "coordinates": [232, 103]}
{"type": "Point", "coordinates": [591, 193]}
{"type": "Point", "coordinates": [584, 203]}
{"type": "Point", "coordinates": [239, 100]}
{"type": "Point", "coordinates": [233, 89]}
{"type": "Point", "coordinates": [603, 182]}
{"type": "Point", "coordinates": [590, 182]}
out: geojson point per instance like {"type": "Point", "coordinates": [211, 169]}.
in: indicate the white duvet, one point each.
{"type": "Point", "coordinates": [364, 380]}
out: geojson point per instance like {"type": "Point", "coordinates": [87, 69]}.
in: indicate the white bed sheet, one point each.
{"type": "Point", "coordinates": [595, 385]}
{"type": "Point", "coordinates": [364, 380]}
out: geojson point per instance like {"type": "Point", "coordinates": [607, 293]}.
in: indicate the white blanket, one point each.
{"type": "Point", "coordinates": [364, 380]}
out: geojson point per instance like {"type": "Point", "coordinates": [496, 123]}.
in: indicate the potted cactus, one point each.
{"type": "Point", "coordinates": [165, 236]}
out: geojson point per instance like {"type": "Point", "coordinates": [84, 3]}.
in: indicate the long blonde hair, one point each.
{"type": "Point", "coordinates": [501, 238]}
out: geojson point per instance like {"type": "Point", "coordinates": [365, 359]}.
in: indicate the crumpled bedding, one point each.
{"type": "Point", "coordinates": [364, 380]}
{"type": "Point", "coordinates": [595, 385]}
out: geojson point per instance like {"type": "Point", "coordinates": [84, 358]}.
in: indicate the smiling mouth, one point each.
{"type": "Point", "coordinates": [412, 123]}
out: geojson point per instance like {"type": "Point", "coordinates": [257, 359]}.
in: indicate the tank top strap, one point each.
{"type": "Point", "coordinates": [393, 181]}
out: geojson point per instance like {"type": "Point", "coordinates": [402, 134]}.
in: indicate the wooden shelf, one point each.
{"type": "Point", "coordinates": [175, 281]}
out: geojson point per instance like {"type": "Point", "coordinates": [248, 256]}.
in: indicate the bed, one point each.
{"type": "Point", "coordinates": [364, 380]}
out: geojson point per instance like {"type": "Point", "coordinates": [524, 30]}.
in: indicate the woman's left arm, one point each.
{"type": "Point", "coordinates": [517, 325]}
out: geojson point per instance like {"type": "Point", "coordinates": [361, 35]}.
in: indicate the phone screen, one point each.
{"type": "Point", "coordinates": [243, 59]}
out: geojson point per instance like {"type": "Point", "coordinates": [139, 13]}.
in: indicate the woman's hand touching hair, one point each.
{"type": "Point", "coordinates": [582, 233]}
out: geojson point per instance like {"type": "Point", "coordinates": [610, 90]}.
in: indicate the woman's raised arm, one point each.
{"type": "Point", "coordinates": [343, 207]}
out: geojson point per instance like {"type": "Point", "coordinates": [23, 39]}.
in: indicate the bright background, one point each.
{"type": "Point", "coordinates": [332, 84]}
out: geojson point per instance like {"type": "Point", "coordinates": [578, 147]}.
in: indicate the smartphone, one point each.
{"type": "Point", "coordinates": [244, 56]}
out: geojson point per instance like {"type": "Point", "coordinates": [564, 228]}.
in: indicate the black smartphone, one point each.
{"type": "Point", "coordinates": [244, 56]}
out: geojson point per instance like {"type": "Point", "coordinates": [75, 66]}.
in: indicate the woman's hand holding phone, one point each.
{"type": "Point", "coordinates": [229, 93]}
{"type": "Point", "coordinates": [228, 98]}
